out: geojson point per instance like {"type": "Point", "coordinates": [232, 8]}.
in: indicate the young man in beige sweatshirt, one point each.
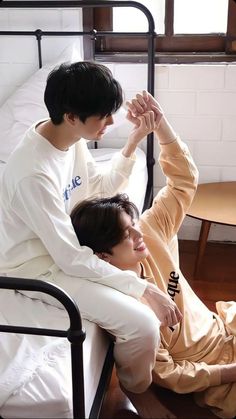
{"type": "Point", "coordinates": [198, 354]}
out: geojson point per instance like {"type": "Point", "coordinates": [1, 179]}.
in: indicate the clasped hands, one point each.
{"type": "Point", "coordinates": [144, 113]}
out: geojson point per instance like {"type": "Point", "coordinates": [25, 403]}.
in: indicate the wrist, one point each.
{"type": "Point", "coordinates": [165, 133]}
{"type": "Point", "coordinates": [228, 373]}
{"type": "Point", "coordinates": [129, 149]}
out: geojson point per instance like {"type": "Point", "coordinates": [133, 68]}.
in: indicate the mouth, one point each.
{"type": "Point", "coordinates": [141, 247]}
{"type": "Point", "coordinates": [101, 132]}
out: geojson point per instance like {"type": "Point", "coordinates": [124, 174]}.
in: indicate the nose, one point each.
{"type": "Point", "coordinates": [109, 120]}
{"type": "Point", "coordinates": [137, 234]}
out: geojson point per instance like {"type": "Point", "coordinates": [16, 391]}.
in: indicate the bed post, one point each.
{"type": "Point", "coordinates": [75, 334]}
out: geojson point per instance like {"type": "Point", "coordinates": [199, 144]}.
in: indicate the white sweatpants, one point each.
{"type": "Point", "coordinates": [133, 324]}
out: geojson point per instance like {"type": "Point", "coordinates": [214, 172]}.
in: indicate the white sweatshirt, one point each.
{"type": "Point", "coordinates": [39, 187]}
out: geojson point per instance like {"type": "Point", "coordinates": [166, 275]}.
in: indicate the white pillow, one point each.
{"type": "Point", "coordinates": [26, 105]}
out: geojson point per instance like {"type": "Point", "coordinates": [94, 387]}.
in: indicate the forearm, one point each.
{"type": "Point", "coordinates": [228, 373]}
{"type": "Point", "coordinates": [143, 124]}
{"type": "Point", "coordinates": [185, 376]}
{"type": "Point", "coordinates": [114, 179]}
{"type": "Point", "coordinates": [129, 149]}
{"type": "Point", "coordinates": [164, 132]}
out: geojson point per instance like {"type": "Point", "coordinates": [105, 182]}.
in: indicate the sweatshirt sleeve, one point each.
{"type": "Point", "coordinates": [184, 376]}
{"type": "Point", "coordinates": [112, 180]}
{"type": "Point", "coordinates": [44, 213]}
{"type": "Point", "coordinates": [172, 201]}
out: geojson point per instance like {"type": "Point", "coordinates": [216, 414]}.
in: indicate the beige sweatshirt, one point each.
{"type": "Point", "coordinates": [187, 358]}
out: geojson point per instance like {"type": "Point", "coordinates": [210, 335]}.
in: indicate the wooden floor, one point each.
{"type": "Point", "coordinates": [216, 281]}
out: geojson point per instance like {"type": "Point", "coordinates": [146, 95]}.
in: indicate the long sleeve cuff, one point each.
{"type": "Point", "coordinates": [175, 147]}
{"type": "Point", "coordinates": [123, 164]}
{"type": "Point", "coordinates": [138, 289]}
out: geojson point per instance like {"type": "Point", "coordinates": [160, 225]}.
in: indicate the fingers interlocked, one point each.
{"type": "Point", "coordinates": [144, 105]}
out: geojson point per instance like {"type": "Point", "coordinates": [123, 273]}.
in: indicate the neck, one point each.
{"type": "Point", "coordinates": [137, 269]}
{"type": "Point", "coordinates": [57, 135]}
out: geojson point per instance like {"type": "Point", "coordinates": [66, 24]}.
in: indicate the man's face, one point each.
{"type": "Point", "coordinates": [132, 249]}
{"type": "Point", "coordinates": [94, 127]}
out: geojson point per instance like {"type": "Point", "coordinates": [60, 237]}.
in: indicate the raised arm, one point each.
{"type": "Point", "coordinates": [171, 203]}
{"type": "Point", "coordinates": [112, 181]}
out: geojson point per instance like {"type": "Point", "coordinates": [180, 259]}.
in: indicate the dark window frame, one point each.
{"type": "Point", "coordinates": [169, 48]}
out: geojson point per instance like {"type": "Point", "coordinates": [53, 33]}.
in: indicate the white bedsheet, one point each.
{"type": "Point", "coordinates": [35, 371]}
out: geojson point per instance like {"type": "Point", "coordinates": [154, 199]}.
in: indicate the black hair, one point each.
{"type": "Point", "coordinates": [97, 223]}
{"type": "Point", "coordinates": [82, 88]}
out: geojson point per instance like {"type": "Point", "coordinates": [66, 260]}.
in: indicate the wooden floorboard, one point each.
{"type": "Point", "coordinates": [216, 281]}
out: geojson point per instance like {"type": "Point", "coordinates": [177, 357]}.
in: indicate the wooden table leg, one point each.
{"type": "Point", "coordinates": [205, 228]}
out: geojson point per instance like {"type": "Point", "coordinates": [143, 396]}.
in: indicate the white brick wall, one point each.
{"type": "Point", "coordinates": [199, 100]}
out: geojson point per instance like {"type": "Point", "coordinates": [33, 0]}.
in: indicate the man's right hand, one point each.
{"type": "Point", "coordinates": [163, 306]}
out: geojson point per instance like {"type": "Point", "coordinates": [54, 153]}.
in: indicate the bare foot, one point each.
{"type": "Point", "coordinates": [147, 405]}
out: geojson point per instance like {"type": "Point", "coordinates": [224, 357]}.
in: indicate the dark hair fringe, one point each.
{"type": "Point", "coordinates": [83, 88]}
{"type": "Point", "coordinates": [97, 222]}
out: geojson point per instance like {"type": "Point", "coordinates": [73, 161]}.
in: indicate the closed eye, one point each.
{"type": "Point", "coordinates": [127, 235]}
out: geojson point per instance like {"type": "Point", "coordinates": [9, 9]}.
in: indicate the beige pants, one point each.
{"type": "Point", "coordinates": [222, 399]}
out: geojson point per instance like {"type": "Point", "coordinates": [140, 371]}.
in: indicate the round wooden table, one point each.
{"type": "Point", "coordinates": [213, 203]}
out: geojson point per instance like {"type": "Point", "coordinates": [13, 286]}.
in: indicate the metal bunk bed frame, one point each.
{"type": "Point", "coordinates": [75, 333]}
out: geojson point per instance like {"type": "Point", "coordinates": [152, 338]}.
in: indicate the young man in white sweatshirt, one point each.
{"type": "Point", "coordinates": [45, 177]}
{"type": "Point", "coordinates": [198, 354]}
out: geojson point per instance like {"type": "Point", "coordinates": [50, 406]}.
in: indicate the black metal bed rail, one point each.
{"type": "Point", "coordinates": [74, 333]}
{"type": "Point", "coordinates": [150, 34]}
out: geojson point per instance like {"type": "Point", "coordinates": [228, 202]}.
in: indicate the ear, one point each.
{"type": "Point", "coordinates": [70, 118]}
{"type": "Point", "coordinates": [104, 256]}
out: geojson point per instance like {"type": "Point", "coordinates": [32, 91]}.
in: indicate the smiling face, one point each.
{"type": "Point", "coordinates": [131, 250]}
{"type": "Point", "coordinates": [109, 226]}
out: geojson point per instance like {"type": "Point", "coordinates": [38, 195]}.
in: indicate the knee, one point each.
{"type": "Point", "coordinates": [148, 328]}
{"type": "Point", "coordinates": [144, 327]}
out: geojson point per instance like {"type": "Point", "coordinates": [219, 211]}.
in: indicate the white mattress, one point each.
{"type": "Point", "coordinates": [35, 377]}
{"type": "Point", "coordinates": [35, 371]}
{"type": "Point", "coordinates": [2, 164]}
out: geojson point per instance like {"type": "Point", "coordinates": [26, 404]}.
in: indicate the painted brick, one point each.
{"type": "Point", "coordinates": [228, 174]}
{"type": "Point", "coordinates": [161, 76]}
{"type": "Point", "coordinates": [196, 77]}
{"type": "Point", "coordinates": [197, 128]}
{"type": "Point", "coordinates": [216, 103]}
{"type": "Point", "coordinates": [176, 103]}
{"type": "Point", "coordinates": [209, 174]}
{"type": "Point", "coordinates": [229, 129]}
{"type": "Point", "coordinates": [132, 76]}
{"type": "Point", "coordinates": [222, 232]}
{"type": "Point", "coordinates": [230, 77]}
{"type": "Point", "coordinates": [190, 229]}
{"type": "Point", "coordinates": [215, 154]}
